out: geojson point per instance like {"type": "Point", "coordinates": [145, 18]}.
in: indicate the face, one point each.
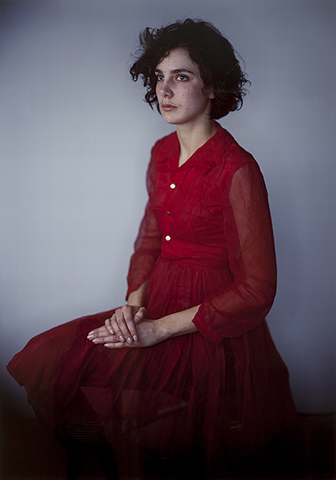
{"type": "Point", "coordinates": [180, 90]}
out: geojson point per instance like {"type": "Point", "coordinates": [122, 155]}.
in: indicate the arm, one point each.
{"type": "Point", "coordinates": [149, 332]}
{"type": "Point", "coordinates": [122, 325]}
{"type": "Point", "coordinates": [138, 296]}
{"type": "Point", "coordinates": [249, 235]}
{"type": "Point", "coordinates": [247, 300]}
{"type": "Point", "coordinates": [147, 246]}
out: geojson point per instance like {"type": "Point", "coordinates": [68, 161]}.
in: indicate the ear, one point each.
{"type": "Point", "coordinates": [209, 92]}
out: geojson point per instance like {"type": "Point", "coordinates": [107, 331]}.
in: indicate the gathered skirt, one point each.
{"type": "Point", "coordinates": [166, 398]}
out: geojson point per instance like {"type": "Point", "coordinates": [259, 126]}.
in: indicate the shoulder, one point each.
{"type": "Point", "coordinates": [225, 157]}
{"type": "Point", "coordinates": [231, 155]}
{"type": "Point", "coordinates": [240, 169]}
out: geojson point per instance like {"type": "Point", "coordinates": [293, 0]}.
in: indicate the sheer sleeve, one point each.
{"type": "Point", "coordinates": [147, 246]}
{"type": "Point", "coordinates": [249, 235]}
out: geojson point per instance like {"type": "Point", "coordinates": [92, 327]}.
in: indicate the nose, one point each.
{"type": "Point", "coordinates": [165, 89]}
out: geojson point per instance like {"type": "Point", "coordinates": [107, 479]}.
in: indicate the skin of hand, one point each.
{"type": "Point", "coordinates": [121, 326]}
{"type": "Point", "coordinates": [150, 332]}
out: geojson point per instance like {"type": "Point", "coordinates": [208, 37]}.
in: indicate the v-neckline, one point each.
{"type": "Point", "coordinates": [191, 158]}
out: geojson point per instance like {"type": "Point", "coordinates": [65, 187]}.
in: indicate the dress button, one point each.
{"type": "Point", "coordinates": [168, 213]}
{"type": "Point", "coordinates": [167, 238]}
{"type": "Point", "coordinates": [172, 186]}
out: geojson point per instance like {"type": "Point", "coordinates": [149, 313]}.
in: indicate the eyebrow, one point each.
{"type": "Point", "coordinates": [177, 70]}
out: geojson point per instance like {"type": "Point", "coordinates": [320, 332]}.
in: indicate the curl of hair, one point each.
{"type": "Point", "coordinates": [213, 53]}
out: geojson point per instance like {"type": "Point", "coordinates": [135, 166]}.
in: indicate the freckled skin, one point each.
{"type": "Point", "coordinates": [180, 85]}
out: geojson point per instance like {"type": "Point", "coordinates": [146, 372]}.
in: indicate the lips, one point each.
{"type": "Point", "coordinates": [167, 107]}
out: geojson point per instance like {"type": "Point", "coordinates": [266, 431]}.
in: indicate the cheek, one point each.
{"type": "Point", "coordinates": [200, 98]}
{"type": "Point", "coordinates": [194, 97]}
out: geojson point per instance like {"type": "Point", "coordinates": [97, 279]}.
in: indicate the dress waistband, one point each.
{"type": "Point", "coordinates": [209, 263]}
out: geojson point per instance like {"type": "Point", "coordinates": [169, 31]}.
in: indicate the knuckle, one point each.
{"type": "Point", "coordinates": [115, 327]}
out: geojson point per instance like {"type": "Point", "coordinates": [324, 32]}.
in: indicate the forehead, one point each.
{"type": "Point", "coordinates": [178, 58]}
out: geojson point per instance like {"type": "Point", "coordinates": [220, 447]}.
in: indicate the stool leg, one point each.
{"type": "Point", "coordinates": [107, 460]}
{"type": "Point", "coordinates": [74, 460]}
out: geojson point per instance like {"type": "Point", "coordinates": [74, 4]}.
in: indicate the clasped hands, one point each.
{"type": "Point", "coordinates": [128, 327]}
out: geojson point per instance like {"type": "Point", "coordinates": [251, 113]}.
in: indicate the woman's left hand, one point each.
{"type": "Point", "coordinates": [149, 333]}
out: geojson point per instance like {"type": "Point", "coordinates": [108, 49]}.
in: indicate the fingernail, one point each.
{"type": "Point", "coordinates": [90, 336]}
{"type": "Point", "coordinates": [137, 319]}
{"type": "Point", "coordinates": [121, 338]}
{"type": "Point", "coordinates": [111, 331]}
{"type": "Point", "coordinates": [129, 340]}
{"type": "Point", "coordinates": [135, 338]}
{"type": "Point", "coordinates": [108, 345]}
{"type": "Point", "coordinates": [95, 340]}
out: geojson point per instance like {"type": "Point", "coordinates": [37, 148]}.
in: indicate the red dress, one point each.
{"type": "Point", "coordinates": [206, 238]}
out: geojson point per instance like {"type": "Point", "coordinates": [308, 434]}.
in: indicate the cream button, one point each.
{"type": "Point", "coordinates": [172, 186]}
{"type": "Point", "coordinates": [167, 238]}
{"type": "Point", "coordinates": [168, 213]}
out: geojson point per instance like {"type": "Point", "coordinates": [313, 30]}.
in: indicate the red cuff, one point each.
{"type": "Point", "coordinates": [205, 330]}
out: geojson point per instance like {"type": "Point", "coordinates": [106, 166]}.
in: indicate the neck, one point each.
{"type": "Point", "coordinates": [191, 138]}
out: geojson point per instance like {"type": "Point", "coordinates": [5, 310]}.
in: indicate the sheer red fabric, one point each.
{"type": "Point", "coordinates": [206, 239]}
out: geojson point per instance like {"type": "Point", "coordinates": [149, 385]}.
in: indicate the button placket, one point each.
{"type": "Point", "coordinates": [172, 186]}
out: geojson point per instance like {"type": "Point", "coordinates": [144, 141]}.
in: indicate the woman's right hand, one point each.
{"type": "Point", "coordinates": [122, 324]}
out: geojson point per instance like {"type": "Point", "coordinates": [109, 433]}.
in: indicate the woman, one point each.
{"type": "Point", "coordinates": [186, 370]}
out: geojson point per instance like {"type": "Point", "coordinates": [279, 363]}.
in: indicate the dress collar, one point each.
{"type": "Point", "coordinates": [205, 157]}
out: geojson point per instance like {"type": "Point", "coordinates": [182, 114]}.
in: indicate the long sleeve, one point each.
{"type": "Point", "coordinates": [249, 236]}
{"type": "Point", "coordinates": [147, 246]}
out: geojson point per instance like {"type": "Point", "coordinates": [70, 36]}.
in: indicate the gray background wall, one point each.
{"type": "Point", "coordinates": [75, 142]}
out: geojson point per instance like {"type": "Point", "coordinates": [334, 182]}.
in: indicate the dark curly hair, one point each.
{"type": "Point", "coordinates": [212, 52]}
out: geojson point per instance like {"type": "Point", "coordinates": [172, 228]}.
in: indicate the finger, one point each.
{"type": "Point", "coordinates": [124, 319]}
{"type": "Point", "coordinates": [123, 324]}
{"type": "Point", "coordinates": [117, 345]}
{"type": "Point", "coordinates": [105, 339]}
{"type": "Point", "coordinates": [116, 322]}
{"type": "Point", "coordinates": [129, 323]}
{"type": "Point", "coordinates": [140, 314]}
{"type": "Point", "coordinates": [98, 332]}
{"type": "Point", "coordinates": [108, 325]}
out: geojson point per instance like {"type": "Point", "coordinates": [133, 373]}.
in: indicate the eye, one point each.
{"type": "Point", "coordinates": [182, 78]}
{"type": "Point", "coordinates": [159, 78]}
